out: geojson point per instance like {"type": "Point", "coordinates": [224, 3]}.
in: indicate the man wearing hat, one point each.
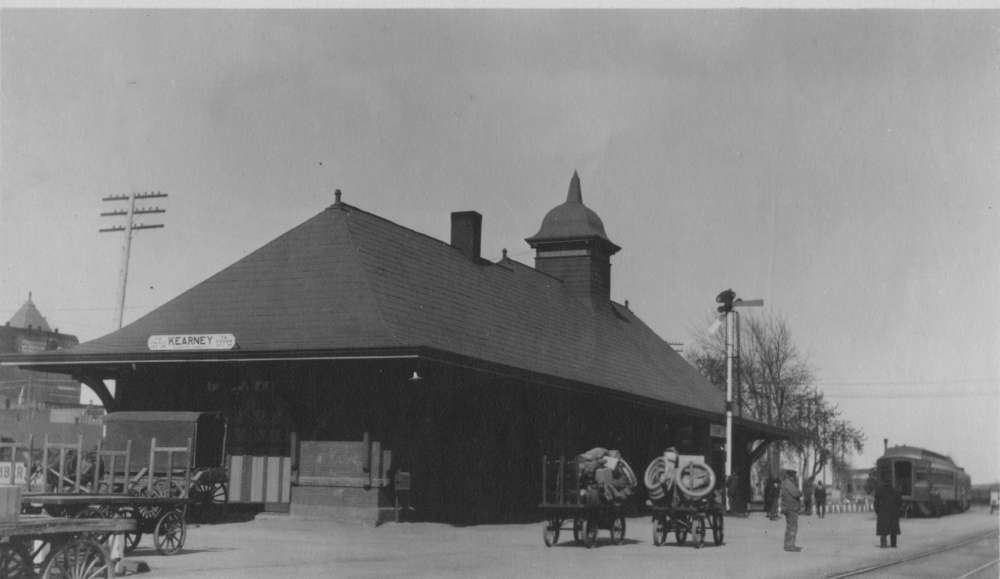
{"type": "Point", "coordinates": [791, 504]}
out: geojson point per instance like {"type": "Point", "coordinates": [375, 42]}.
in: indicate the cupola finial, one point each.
{"type": "Point", "coordinates": [574, 195]}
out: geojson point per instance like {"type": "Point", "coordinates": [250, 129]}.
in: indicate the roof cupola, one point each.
{"type": "Point", "coordinates": [572, 245]}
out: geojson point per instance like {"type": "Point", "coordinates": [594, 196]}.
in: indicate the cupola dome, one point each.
{"type": "Point", "coordinates": [571, 221]}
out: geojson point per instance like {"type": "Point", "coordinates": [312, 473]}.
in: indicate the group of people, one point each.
{"type": "Point", "coordinates": [787, 495]}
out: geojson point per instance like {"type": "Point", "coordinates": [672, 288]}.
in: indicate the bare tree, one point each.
{"type": "Point", "coordinates": [777, 387]}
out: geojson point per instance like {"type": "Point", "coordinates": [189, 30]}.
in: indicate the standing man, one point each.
{"type": "Point", "coordinates": [820, 500]}
{"type": "Point", "coordinates": [888, 504]}
{"type": "Point", "coordinates": [791, 504]}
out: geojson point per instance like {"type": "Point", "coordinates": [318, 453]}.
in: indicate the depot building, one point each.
{"type": "Point", "coordinates": [362, 367]}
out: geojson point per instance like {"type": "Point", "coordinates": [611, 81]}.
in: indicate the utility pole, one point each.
{"type": "Point", "coordinates": [729, 301]}
{"type": "Point", "coordinates": [128, 228]}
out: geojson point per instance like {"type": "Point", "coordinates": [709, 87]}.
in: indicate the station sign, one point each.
{"type": "Point", "coordinates": [192, 342]}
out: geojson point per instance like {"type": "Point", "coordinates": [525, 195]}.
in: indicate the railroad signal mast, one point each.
{"type": "Point", "coordinates": [728, 301]}
{"type": "Point", "coordinates": [128, 228]}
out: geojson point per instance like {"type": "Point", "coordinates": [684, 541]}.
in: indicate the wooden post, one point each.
{"type": "Point", "coordinates": [152, 466]}
{"type": "Point", "coordinates": [187, 471]}
{"type": "Point", "coordinates": [79, 463]}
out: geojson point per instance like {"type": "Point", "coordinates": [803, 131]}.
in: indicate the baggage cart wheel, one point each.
{"type": "Point", "coordinates": [659, 530]}
{"type": "Point", "coordinates": [96, 512]}
{"type": "Point", "coordinates": [170, 532]}
{"type": "Point", "coordinates": [578, 525]}
{"type": "Point", "coordinates": [15, 561]}
{"type": "Point", "coordinates": [618, 531]}
{"type": "Point", "coordinates": [550, 533]}
{"type": "Point", "coordinates": [131, 539]}
{"type": "Point", "coordinates": [718, 528]}
{"type": "Point", "coordinates": [681, 532]}
{"type": "Point", "coordinates": [209, 493]}
{"type": "Point", "coordinates": [698, 533]}
{"type": "Point", "coordinates": [681, 535]}
{"type": "Point", "coordinates": [590, 532]}
{"type": "Point", "coordinates": [79, 558]}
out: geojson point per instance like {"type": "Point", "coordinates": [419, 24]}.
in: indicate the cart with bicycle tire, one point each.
{"type": "Point", "coordinates": [574, 501]}
{"type": "Point", "coordinates": [74, 547]}
{"type": "Point", "coordinates": [684, 499]}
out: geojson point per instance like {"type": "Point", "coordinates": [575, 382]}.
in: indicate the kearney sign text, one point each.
{"type": "Point", "coordinates": [192, 342]}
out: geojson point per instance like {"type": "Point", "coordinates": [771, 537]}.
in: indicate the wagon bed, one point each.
{"type": "Point", "coordinates": [694, 519]}
{"type": "Point", "coordinates": [74, 546]}
{"type": "Point", "coordinates": [563, 502]}
{"type": "Point", "coordinates": [163, 517]}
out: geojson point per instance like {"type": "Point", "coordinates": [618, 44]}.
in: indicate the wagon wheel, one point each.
{"type": "Point", "coordinates": [80, 558]}
{"type": "Point", "coordinates": [550, 532]}
{"type": "Point", "coordinates": [698, 532]}
{"type": "Point", "coordinates": [170, 532]}
{"type": "Point", "coordinates": [148, 512]}
{"type": "Point", "coordinates": [96, 512]}
{"type": "Point", "coordinates": [618, 531]}
{"type": "Point", "coordinates": [718, 527]}
{"type": "Point", "coordinates": [15, 561]}
{"type": "Point", "coordinates": [131, 539]}
{"type": "Point", "coordinates": [160, 489]}
{"type": "Point", "coordinates": [590, 532]}
{"type": "Point", "coordinates": [681, 529]}
{"type": "Point", "coordinates": [578, 525]}
{"type": "Point", "coordinates": [659, 530]}
{"type": "Point", "coordinates": [209, 493]}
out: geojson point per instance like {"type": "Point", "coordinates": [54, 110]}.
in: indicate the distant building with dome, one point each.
{"type": "Point", "coordinates": [361, 365]}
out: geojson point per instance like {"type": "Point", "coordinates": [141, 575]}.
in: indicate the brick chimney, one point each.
{"type": "Point", "coordinates": [466, 233]}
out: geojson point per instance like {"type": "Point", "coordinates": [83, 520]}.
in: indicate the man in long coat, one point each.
{"type": "Point", "coordinates": [791, 504]}
{"type": "Point", "coordinates": [888, 505]}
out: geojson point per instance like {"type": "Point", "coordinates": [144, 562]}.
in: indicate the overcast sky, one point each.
{"type": "Point", "coordinates": [843, 166]}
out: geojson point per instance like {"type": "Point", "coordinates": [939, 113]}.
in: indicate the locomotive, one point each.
{"type": "Point", "coordinates": [931, 483]}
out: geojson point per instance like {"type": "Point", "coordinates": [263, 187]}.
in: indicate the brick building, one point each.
{"type": "Point", "coordinates": [358, 349]}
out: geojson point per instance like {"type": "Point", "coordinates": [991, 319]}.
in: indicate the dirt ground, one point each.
{"type": "Point", "coordinates": [283, 546]}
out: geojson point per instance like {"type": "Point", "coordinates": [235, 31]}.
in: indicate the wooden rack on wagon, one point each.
{"type": "Point", "coordinates": [120, 480]}
{"type": "Point", "coordinates": [158, 506]}
{"type": "Point", "coordinates": [202, 477]}
{"type": "Point", "coordinates": [571, 494]}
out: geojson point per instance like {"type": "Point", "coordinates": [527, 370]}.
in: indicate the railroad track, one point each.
{"type": "Point", "coordinates": [965, 541]}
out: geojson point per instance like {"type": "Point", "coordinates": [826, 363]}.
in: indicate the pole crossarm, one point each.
{"type": "Point", "coordinates": [128, 228]}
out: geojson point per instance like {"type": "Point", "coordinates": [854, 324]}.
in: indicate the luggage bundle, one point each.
{"type": "Point", "coordinates": [605, 477]}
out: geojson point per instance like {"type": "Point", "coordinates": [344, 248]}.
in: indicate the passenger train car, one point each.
{"type": "Point", "coordinates": [931, 483]}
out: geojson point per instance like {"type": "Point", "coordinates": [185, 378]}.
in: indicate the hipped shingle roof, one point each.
{"type": "Point", "coordinates": [348, 280]}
